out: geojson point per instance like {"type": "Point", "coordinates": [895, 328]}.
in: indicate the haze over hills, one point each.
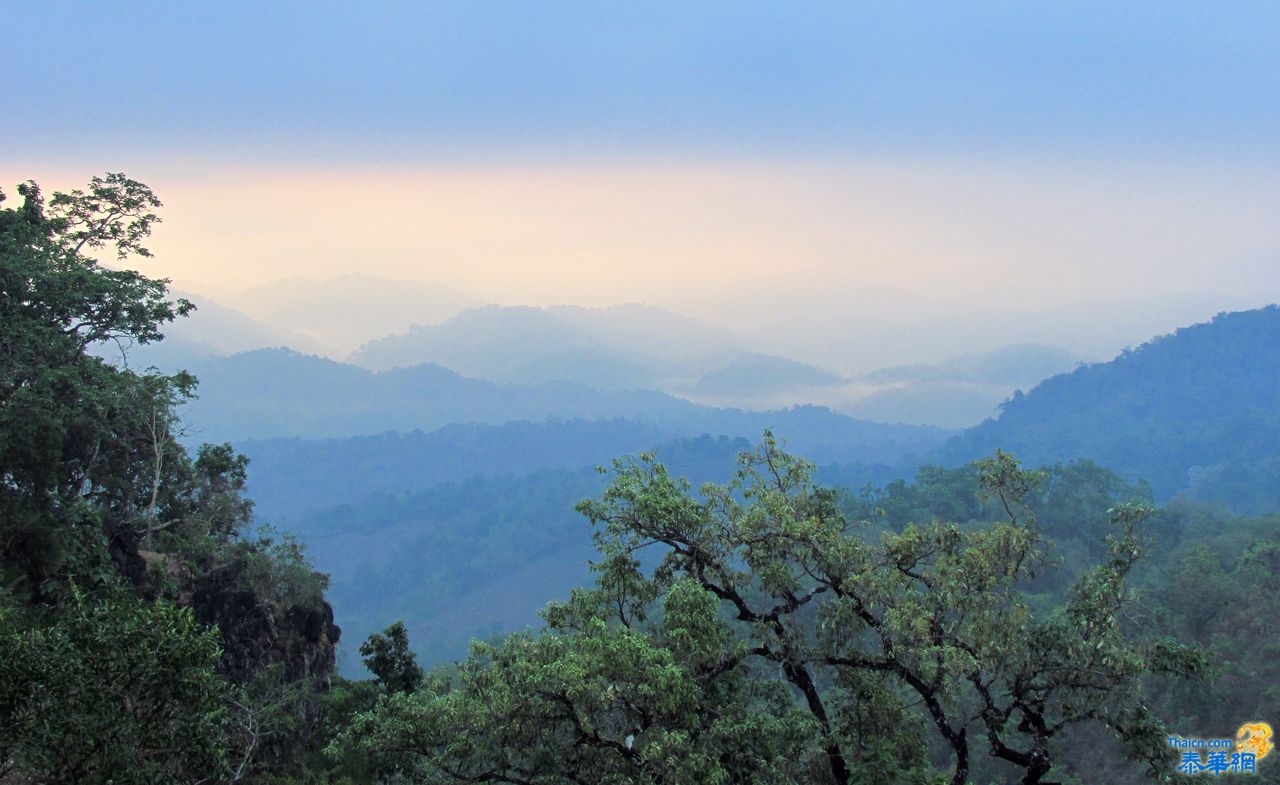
{"type": "Point", "coordinates": [342, 312]}
{"type": "Point", "coordinates": [955, 393]}
{"type": "Point", "coordinates": [864, 339]}
{"type": "Point", "coordinates": [646, 329]}
{"type": "Point", "coordinates": [623, 346]}
{"type": "Point", "coordinates": [959, 391]}
{"type": "Point", "coordinates": [303, 396]}
{"type": "Point", "coordinates": [228, 331]}
{"type": "Point", "coordinates": [621, 349]}
{"type": "Point", "coordinates": [747, 375]}
{"type": "Point", "coordinates": [211, 330]}
{"type": "Point", "coordinates": [635, 346]}
{"type": "Point", "coordinates": [1016, 364]}
{"type": "Point", "coordinates": [280, 393]}
{"type": "Point", "coordinates": [564, 361]}
{"type": "Point", "coordinates": [291, 476]}
{"type": "Point", "coordinates": [513, 344]}
{"type": "Point", "coordinates": [1194, 412]}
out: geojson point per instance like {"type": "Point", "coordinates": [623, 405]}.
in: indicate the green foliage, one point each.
{"type": "Point", "coordinates": [1193, 412]}
{"type": "Point", "coordinates": [110, 689]}
{"type": "Point", "coordinates": [605, 704]}
{"type": "Point", "coordinates": [102, 511]}
{"type": "Point", "coordinates": [1222, 590]}
{"type": "Point", "coordinates": [773, 632]}
{"type": "Point", "coordinates": [85, 445]}
{"type": "Point", "coordinates": [388, 657]}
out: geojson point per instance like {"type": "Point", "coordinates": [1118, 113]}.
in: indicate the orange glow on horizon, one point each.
{"type": "Point", "coordinates": [728, 235]}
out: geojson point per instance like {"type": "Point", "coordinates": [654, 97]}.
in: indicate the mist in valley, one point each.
{"type": "Point", "coordinates": [665, 394]}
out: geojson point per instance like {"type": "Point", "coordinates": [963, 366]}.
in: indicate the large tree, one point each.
{"type": "Point", "coordinates": [139, 622]}
{"type": "Point", "coordinates": [766, 639]}
{"type": "Point", "coordinates": [86, 446]}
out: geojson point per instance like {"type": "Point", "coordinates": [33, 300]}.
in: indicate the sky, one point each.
{"type": "Point", "coordinates": [754, 163]}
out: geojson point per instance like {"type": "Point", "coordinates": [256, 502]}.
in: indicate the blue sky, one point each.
{"type": "Point", "coordinates": [485, 80]}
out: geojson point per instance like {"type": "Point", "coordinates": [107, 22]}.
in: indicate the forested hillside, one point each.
{"type": "Point", "coordinates": [278, 393]}
{"type": "Point", "coordinates": [659, 393]}
{"type": "Point", "coordinates": [474, 557]}
{"type": "Point", "coordinates": [707, 609]}
{"type": "Point", "coordinates": [290, 476]}
{"type": "Point", "coordinates": [149, 631]}
{"type": "Point", "coordinates": [1194, 413]}
{"type": "Point", "coordinates": [823, 642]}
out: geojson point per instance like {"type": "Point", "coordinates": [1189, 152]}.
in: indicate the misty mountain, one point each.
{"type": "Point", "coordinates": [280, 393]}
{"type": "Point", "coordinates": [645, 329]}
{"type": "Point", "coordinates": [625, 347]}
{"type": "Point", "coordinates": [955, 393]}
{"type": "Point", "coordinates": [1194, 412]}
{"type": "Point", "coordinates": [273, 393]}
{"type": "Point", "coordinates": [342, 312]}
{"type": "Point", "coordinates": [1016, 365]}
{"type": "Point", "coordinates": [513, 345]}
{"type": "Point", "coordinates": [212, 330]}
{"type": "Point", "coordinates": [621, 347]}
{"type": "Point", "coordinates": [959, 391]}
{"type": "Point", "coordinates": [749, 374]}
{"type": "Point", "coordinates": [291, 476]}
{"type": "Point", "coordinates": [917, 331]}
{"type": "Point", "coordinates": [227, 330]}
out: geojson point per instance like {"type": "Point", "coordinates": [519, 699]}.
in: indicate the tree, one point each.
{"type": "Point", "coordinates": [771, 631]}
{"type": "Point", "coordinates": [606, 704]}
{"type": "Point", "coordinates": [111, 689]}
{"type": "Point", "coordinates": [102, 511]}
{"type": "Point", "coordinates": [85, 444]}
{"type": "Point", "coordinates": [388, 657]}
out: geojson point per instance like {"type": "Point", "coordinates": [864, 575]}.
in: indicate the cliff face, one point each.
{"type": "Point", "coordinates": [312, 652]}
{"type": "Point", "coordinates": [259, 629]}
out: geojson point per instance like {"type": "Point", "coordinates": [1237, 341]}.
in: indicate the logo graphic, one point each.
{"type": "Point", "coordinates": [1255, 737]}
{"type": "Point", "coordinates": [1224, 756]}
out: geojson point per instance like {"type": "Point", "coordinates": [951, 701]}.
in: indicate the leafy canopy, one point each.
{"type": "Point", "coordinates": [752, 633]}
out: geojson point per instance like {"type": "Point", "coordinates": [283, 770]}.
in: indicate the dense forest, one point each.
{"type": "Point", "coordinates": [1195, 413]}
{"type": "Point", "coordinates": [769, 621]}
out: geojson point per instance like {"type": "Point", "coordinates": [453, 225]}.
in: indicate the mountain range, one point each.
{"type": "Point", "coordinates": [1195, 412]}
{"type": "Point", "coordinates": [624, 348]}
{"type": "Point", "coordinates": [479, 515]}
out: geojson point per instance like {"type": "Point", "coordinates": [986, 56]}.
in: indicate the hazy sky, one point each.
{"type": "Point", "coordinates": [794, 159]}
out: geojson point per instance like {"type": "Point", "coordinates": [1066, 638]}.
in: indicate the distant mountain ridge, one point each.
{"type": "Point", "coordinates": [273, 393]}
{"type": "Point", "coordinates": [341, 312]}
{"type": "Point", "coordinates": [1016, 364]}
{"type": "Point", "coordinates": [484, 511]}
{"type": "Point", "coordinates": [1194, 412]}
{"type": "Point", "coordinates": [510, 345]}
{"type": "Point", "coordinates": [961, 391]}
{"type": "Point", "coordinates": [290, 476]}
{"type": "Point", "coordinates": [278, 393]}
{"type": "Point", "coordinates": [642, 347]}
{"type": "Point", "coordinates": [620, 347]}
